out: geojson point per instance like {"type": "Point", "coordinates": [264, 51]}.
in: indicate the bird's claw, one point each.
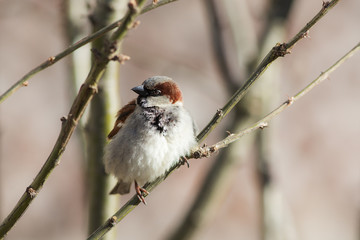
{"type": "Point", "coordinates": [184, 160]}
{"type": "Point", "coordinates": [139, 192]}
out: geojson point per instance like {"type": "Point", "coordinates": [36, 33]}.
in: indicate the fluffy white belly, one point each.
{"type": "Point", "coordinates": [140, 155]}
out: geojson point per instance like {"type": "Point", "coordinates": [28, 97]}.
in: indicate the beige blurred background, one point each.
{"type": "Point", "coordinates": [315, 148]}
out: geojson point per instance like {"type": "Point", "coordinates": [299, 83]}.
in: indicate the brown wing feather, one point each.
{"type": "Point", "coordinates": [122, 115]}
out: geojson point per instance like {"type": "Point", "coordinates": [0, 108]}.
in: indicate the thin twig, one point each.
{"type": "Point", "coordinates": [53, 59]}
{"type": "Point", "coordinates": [280, 50]}
{"type": "Point", "coordinates": [222, 171]}
{"type": "Point", "coordinates": [88, 89]}
{"type": "Point", "coordinates": [277, 51]}
{"type": "Point", "coordinates": [208, 150]}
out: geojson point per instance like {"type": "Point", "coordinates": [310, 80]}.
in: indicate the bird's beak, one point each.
{"type": "Point", "coordinates": [140, 90]}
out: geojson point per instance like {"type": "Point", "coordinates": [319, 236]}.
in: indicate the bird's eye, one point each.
{"type": "Point", "coordinates": [155, 92]}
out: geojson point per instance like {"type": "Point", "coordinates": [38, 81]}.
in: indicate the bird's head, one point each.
{"type": "Point", "coordinates": [158, 91]}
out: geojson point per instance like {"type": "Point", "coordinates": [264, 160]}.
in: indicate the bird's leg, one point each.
{"type": "Point", "coordinates": [139, 190]}
{"type": "Point", "coordinates": [184, 160]}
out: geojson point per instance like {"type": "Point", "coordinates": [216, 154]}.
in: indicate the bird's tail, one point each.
{"type": "Point", "coordinates": [121, 188]}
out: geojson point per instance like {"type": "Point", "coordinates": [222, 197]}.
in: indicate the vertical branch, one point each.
{"type": "Point", "coordinates": [273, 31]}
{"type": "Point", "coordinates": [279, 50]}
{"type": "Point", "coordinates": [102, 111]}
{"type": "Point", "coordinates": [218, 180]}
{"type": "Point", "coordinates": [69, 123]}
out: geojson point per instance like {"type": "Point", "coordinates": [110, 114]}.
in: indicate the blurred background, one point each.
{"type": "Point", "coordinates": [297, 179]}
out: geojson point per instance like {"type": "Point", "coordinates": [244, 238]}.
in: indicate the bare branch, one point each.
{"type": "Point", "coordinates": [103, 105]}
{"type": "Point", "coordinates": [53, 59]}
{"type": "Point", "coordinates": [206, 151]}
{"type": "Point", "coordinates": [277, 51]}
{"type": "Point", "coordinates": [88, 89]}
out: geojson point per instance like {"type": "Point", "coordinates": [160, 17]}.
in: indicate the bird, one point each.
{"type": "Point", "coordinates": [151, 134]}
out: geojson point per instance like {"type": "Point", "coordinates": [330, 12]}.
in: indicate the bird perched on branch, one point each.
{"type": "Point", "coordinates": [150, 135]}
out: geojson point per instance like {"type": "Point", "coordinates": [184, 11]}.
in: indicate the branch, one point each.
{"type": "Point", "coordinates": [280, 50]}
{"type": "Point", "coordinates": [88, 89]}
{"type": "Point", "coordinates": [103, 106]}
{"type": "Point", "coordinates": [53, 59]}
{"type": "Point", "coordinates": [221, 173]}
{"type": "Point", "coordinates": [206, 151]}
{"type": "Point", "coordinates": [277, 51]}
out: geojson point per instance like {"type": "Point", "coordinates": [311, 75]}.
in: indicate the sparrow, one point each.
{"type": "Point", "coordinates": [150, 135]}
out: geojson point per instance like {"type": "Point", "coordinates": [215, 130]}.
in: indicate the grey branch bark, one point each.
{"type": "Point", "coordinates": [102, 111]}
{"type": "Point", "coordinates": [279, 50]}
{"type": "Point", "coordinates": [69, 123]}
{"type": "Point", "coordinates": [53, 59]}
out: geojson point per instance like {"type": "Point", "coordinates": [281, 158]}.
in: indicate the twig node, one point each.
{"type": "Point", "coordinates": [306, 34]}
{"type": "Point", "coordinates": [204, 151]}
{"type": "Point", "coordinates": [325, 4]}
{"type": "Point", "coordinates": [51, 59]}
{"type": "Point", "coordinates": [281, 50]}
{"type": "Point", "coordinates": [136, 23]}
{"type": "Point", "coordinates": [63, 119]}
{"type": "Point", "coordinates": [133, 6]}
{"type": "Point", "coordinates": [229, 133]}
{"type": "Point", "coordinates": [263, 125]}
{"type": "Point", "coordinates": [112, 221]}
{"type": "Point", "coordinates": [290, 100]}
{"type": "Point", "coordinates": [121, 58]}
{"type": "Point", "coordinates": [32, 193]}
{"type": "Point", "coordinates": [93, 88]}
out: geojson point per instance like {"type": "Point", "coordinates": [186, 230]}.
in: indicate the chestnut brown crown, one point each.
{"type": "Point", "coordinates": [159, 86]}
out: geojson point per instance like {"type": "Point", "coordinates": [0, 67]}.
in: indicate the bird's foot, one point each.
{"type": "Point", "coordinates": [139, 192]}
{"type": "Point", "coordinates": [184, 161]}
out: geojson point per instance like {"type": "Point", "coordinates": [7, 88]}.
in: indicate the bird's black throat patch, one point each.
{"type": "Point", "coordinates": [159, 119]}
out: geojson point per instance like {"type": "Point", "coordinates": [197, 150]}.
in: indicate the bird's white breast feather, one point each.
{"type": "Point", "coordinates": [142, 154]}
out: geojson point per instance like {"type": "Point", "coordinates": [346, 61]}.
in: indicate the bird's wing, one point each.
{"type": "Point", "coordinates": [122, 115]}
